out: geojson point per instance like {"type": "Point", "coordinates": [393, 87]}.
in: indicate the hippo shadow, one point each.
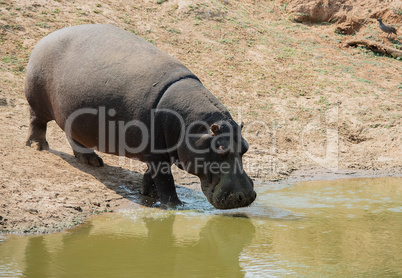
{"type": "Point", "coordinates": [124, 182]}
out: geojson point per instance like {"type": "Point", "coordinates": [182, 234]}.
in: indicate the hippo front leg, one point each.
{"type": "Point", "coordinates": [160, 179]}
{"type": "Point", "coordinates": [148, 187]}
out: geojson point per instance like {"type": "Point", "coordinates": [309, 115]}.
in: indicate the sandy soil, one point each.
{"type": "Point", "coordinates": [312, 109]}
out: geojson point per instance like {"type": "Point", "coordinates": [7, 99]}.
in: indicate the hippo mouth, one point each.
{"type": "Point", "coordinates": [223, 196]}
{"type": "Point", "coordinates": [233, 200]}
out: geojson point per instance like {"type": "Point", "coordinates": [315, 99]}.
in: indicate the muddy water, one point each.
{"type": "Point", "coordinates": [311, 229]}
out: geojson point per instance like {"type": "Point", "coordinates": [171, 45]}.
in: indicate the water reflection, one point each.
{"type": "Point", "coordinates": [88, 252]}
{"type": "Point", "coordinates": [333, 228]}
{"type": "Point", "coordinates": [348, 227]}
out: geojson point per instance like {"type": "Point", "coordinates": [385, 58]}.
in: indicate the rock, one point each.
{"type": "Point", "coordinates": [3, 102]}
{"type": "Point", "coordinates": [33, 211]}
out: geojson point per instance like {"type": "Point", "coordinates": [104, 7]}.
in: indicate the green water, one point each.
{"type": "Point", "coordinates": [339, 228]}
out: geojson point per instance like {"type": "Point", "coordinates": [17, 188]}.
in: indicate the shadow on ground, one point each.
{"type": "Point", "coordinates": [124, 182]}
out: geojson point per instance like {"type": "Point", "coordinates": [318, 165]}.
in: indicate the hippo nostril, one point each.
{"type": "Point", "coordinates": [240, 197]}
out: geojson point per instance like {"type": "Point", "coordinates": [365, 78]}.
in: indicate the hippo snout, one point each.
{"type": "Point", "coordinates": [236, 200]}
{"type": "Point", "coordinates": [229, 195]}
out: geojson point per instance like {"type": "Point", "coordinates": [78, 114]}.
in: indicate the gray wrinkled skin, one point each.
{"type": "Point", "coordinates": [93, 66]}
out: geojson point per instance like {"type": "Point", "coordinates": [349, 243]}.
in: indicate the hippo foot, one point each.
{"type": "Point", "coordinates": [89, 158]}
{"type": "Point", "coordinates": [148, 189]}
{"type": "Point", "coordinates": [38, 145]}
{"type": "Point", "coordinates": [172, 205]}
{"type": "Point", "coordinates": [171, 201]}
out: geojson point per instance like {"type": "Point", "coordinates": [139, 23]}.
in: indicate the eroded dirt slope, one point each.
{"type": "Point", "coordinates": [307, 102]}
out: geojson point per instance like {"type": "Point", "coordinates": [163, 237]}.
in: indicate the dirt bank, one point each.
{"type": "Point", "coordinates": [344, 10]}
{"type": "Point", "coordinates": [350, 16]}
{"type": "Point", "coordinates": [309, 104]}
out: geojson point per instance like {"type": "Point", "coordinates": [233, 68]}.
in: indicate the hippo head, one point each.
{"type": "Point", "coordinates": [217, 161]}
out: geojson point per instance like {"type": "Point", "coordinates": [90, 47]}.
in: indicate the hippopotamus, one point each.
{"type": "Point", "coordinates": [114, 92]}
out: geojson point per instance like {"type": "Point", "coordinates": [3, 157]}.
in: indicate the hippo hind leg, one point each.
{"type": "Point", "coordinates": [37, 132]}
{"type": "Point", "coordinates": [84, 154]}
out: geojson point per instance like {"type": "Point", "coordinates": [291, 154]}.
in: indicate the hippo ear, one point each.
{"type": "Point", "coordinates": [215, 129]}
{"type": "Point", "coordinates": [241, 125]}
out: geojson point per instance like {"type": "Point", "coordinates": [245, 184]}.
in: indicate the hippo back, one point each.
{"type": "Point", "coordinates": [92, 66]}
